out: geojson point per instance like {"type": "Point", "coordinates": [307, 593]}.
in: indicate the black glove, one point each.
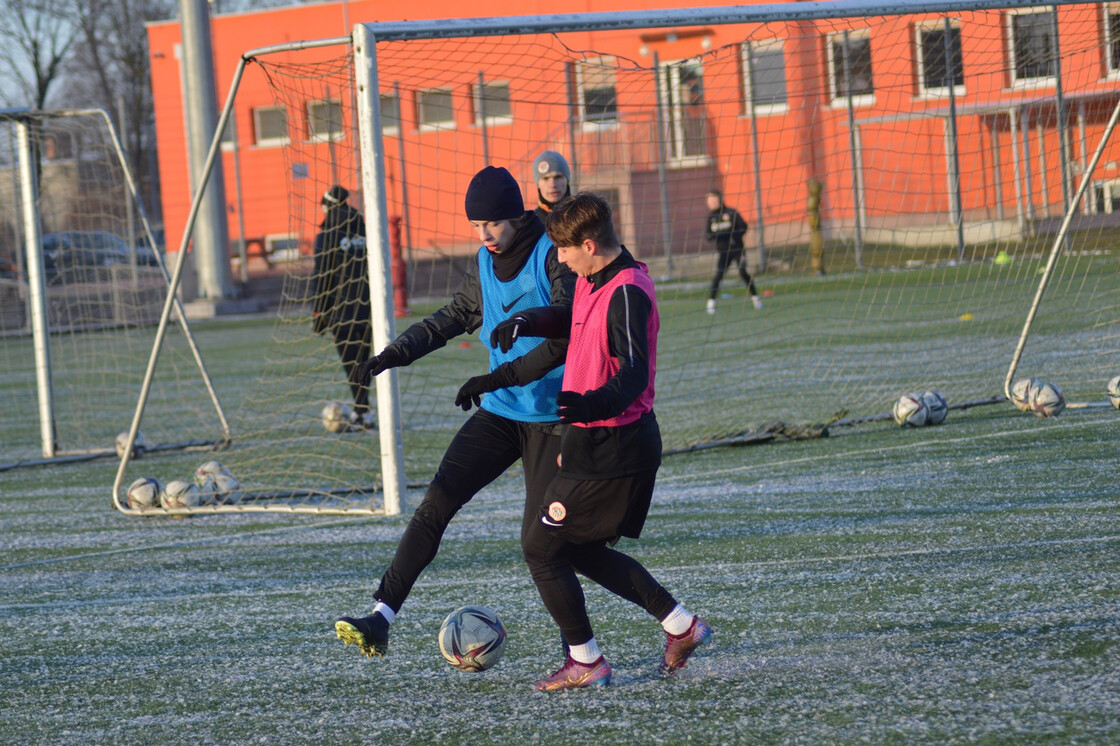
{"type": "Point", "coordinates": [319, 323]}
{"type": "Point", "coordinates": [361, 374]}
{"type": "Point", "coordinates": [507, 332]}
{"type": "Point", "coordinates": [574, 407]}
{"type": "Point", "coordinates": [472, 391]}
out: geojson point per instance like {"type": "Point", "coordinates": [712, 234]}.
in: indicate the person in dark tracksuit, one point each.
{"type": "Point", "coordinates": [726, 228]}
{"type": "Point", "coordinates": [516, 268]}
{"type": "Point", "coordinates": [341, 292]}
{"type": "Point", "coordinates": [610, 447]}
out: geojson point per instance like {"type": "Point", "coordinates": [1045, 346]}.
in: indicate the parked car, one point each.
{"type": "Point", "coordinates": [85, 250]}
{"type": "Point", "coordinates": [8, 268]}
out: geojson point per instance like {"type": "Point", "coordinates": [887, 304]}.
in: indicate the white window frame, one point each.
{"type": "Point", "coordinates": [748, 88]}
{"type": "Point", "coordinates": [1046, 81]}
{"type": "Point", "coordinates": [836, 69]}
{"type": "Point", "coordinates": [290, 253]}
{"type": "Point", "coordinates": [229, 133]}
{"type": "Point", "coordinates": [392, 130]}
{"type": "Point", "coordinates": [1112, 66]}
{"type": "Point", "coordinates": [476, 97]}
{"type": "Point", "coordinates": [606, 122]}
{"type": "Point", "coordinates": [271, 141]}
{"type": "Point", "coordinates": [312, 135]}
{"type": "Point", "coordinates": [438, 125]}
{"type": "Point", "coordinates": [668, 78]}
{"type": "Point", "coordinates": [919, 54]}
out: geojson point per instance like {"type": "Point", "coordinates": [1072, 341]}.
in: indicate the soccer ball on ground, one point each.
{"type": "Point", "coordinates": [139, 446]}
{"type": "Point", "coordinates": [1021, 393]}
{"type": "Point", "coordinates": [937, 406]}
{"type": "Point", "coordinates": [143, 493]}
{"type": "Point", "coordinates": [472, 638]}
{"type": "Point", "coordinates": [336, 417]}
{"type": "Point", "coordinates": [220, 488]}
{"type": "Point", "coordinates": [1047, 400]}
{"type": "Point", "coordinates": [209, 469]}
{"type": "Point", "coordinates": [180, 493]}
{"type": "Point", "coordinates": [1113, 391]}
{"type": "Point", "coordinates": [910, 411]}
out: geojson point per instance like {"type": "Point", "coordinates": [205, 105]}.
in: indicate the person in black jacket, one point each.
{"type": "Point", "coordinates": [341, 292]}
{"type": "Point", "coordinates": [515, 268]}
{"type": "Point", "coordinates": [553, 178]}
{"type": "Point", "coordinates": [726, 227]}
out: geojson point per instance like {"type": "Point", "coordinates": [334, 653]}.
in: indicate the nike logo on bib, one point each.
{"type": "Point", "coordinates": [512, 303]}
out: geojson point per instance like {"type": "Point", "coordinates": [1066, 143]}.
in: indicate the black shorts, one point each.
{"type": "Point", "coordinates": [586, 510]}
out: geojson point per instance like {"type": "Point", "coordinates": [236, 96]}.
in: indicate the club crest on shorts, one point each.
{"type": "Point", "coordinates": [555, 514]}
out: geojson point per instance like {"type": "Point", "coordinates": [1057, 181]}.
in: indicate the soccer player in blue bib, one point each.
{"type": "Point", "coordinates": [516, 269]}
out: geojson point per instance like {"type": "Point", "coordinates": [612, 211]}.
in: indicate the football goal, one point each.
{"type": "Point", "coordinates": [930, 195]}
{"type": "Point", "coordinates": [81, 292]}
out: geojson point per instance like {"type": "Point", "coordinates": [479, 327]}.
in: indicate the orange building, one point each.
{"type": "Point", "coordinates": [908, 123]}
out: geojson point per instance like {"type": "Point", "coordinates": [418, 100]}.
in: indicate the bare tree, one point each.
{"type": "Point", "coordinates": [35, 39]}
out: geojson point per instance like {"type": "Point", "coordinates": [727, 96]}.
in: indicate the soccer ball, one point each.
{"type": "Point", "coordinates": [472, 638]}
{"type": "Point", "coordinates": [1021, 393]}
{"type": "Point", "coordinates": [1113, 391]}
{"type": "Point", "coordinates": [910, 410]}
{"type": "Point", "coordinates": [220, 488]}
{"type": "Point", "coordinates": [143, 493]}
{"type": "Point", "coordinates": [1047, 400]}
{"type": "Point", "coordinates": [336, 417]}
{"type": "Point", "coordinates": [180, 493]}
{"type": "Point", "coordinates": [209, 469]}
{"type": "Point", "coordinates": [937, 406]}
{"type": "Point", "coordinates": [139, 446]}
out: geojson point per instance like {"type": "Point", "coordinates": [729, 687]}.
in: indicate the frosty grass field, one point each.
{"type": "Point", "coordinates": [955, 584]}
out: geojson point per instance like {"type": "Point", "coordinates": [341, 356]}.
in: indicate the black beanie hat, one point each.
{"type": "Point", "coordinates": [494, 195]}
{"type": "Point", "coordinates": [336, 195]}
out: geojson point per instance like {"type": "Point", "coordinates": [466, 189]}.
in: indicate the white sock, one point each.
{"type": "Point", "coordinates": [385, 611]}
{"type": "Point", "coordinates": [678, 621]}
{"type": "Point", "coordinates": [588, 652]}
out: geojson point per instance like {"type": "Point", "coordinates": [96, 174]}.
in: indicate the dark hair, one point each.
{"type": "Point", "coordinates": [584, 216]}
{"type": "Point", "coordinates": [716, 193]}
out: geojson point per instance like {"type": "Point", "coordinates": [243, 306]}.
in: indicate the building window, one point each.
{"type": "Point", "coordinates": [434, 110]}
{"type": "Point", "coordinates": [492, 101]}
{"type": "Point", "coordinates": [282, 247]}
{"type": "Point", "coordinates": [324, 120]}
{"type": "Point", "coordinates": [682, 91]}
{"type": "Point", "coordinates": [934, 66]}
{"type": "Point", "coordinates": [857, 81]}
{"type": "Point", "coordinates": [764, 76]}
{"type": "Point", "coordinates": [271, 125]}
{"type": "Point", "coordinates": [1033, 48]}
{"type": "Point", "coordinates": [1112, 37]}
{"type": "Point", "coordinates": [390, 114]}
{"type": "Point", "coordinates": [228, 138]}
{"type": "Point", "coordinates": [598, 99]}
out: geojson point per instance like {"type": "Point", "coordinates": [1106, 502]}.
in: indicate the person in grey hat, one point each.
{"type": "Point", "coordinates": [553, 178]}
{"type": "Point", "coordinates": [515, 415]}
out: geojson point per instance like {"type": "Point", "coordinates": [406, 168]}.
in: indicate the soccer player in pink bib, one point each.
{"type": "Point", "coordinates": [610, 446]}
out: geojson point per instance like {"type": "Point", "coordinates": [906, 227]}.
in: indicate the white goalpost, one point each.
{"type": "Point", "coordinates": [908, 179]}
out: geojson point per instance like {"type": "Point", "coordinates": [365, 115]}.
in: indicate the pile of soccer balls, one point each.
{"type": "Point", "coordinates": [1032, 395]}
{"type": "Point", "coordinates": [211, 484]}
{"type": "Point", "coordinates": [916, 410]}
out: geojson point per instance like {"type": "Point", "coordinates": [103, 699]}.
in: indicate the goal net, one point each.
{"type": "Point", "coordinates": [904, 179]}
{"type": "Point", "coordinates": [79, 310]}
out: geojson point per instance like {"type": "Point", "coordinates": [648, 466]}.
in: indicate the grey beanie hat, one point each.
{"type": "Point", "coordinates": [550, 162]}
